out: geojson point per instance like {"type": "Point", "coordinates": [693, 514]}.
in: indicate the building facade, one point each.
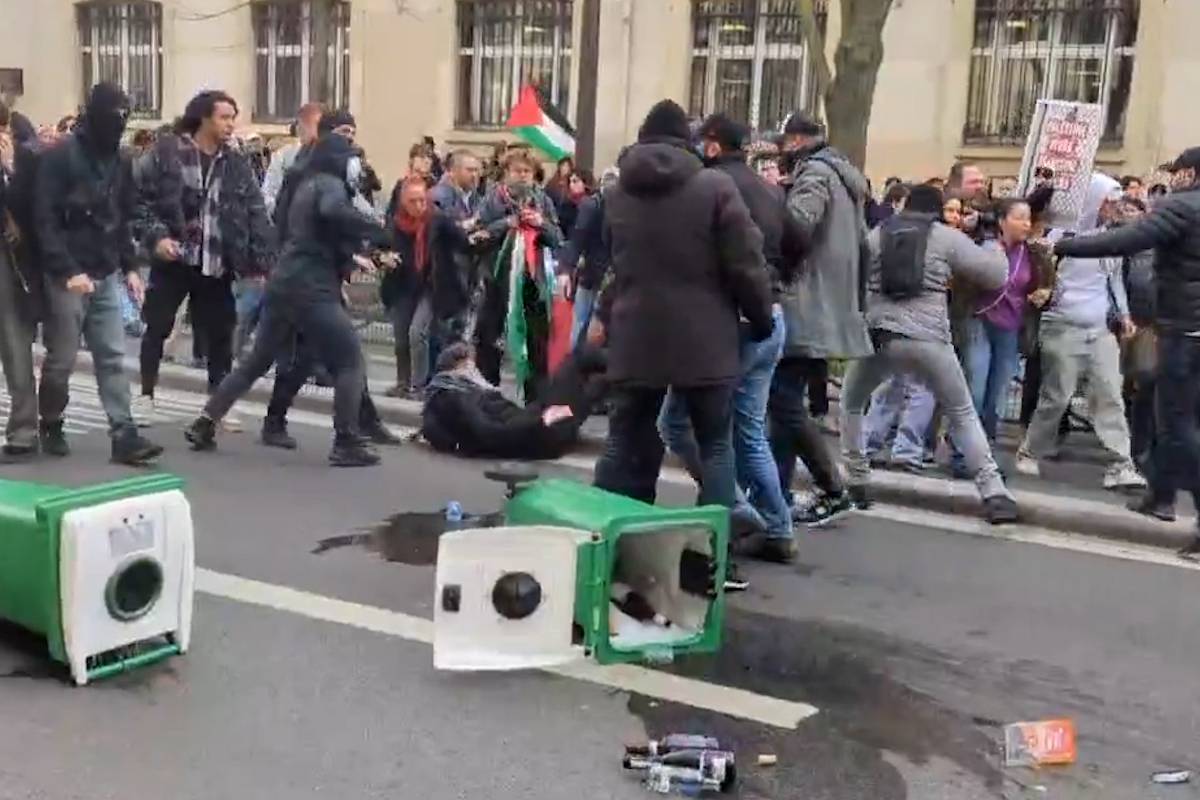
{"type": "Point", "coordinates": [958, 81]}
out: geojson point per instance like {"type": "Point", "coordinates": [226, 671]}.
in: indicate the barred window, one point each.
{"type": "Point", "coordinates": [1026, 50]}
{"type": "Point", "coordinates": [750, 60]}
{"type": "Point", "coordinates": [121, 43]}
{"type": "Point", "coordinates": [301, 55]}
{"type": "Point", "coordinates": [506, 44]}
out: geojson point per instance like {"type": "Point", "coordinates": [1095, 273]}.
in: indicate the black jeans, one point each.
{"type": "Point", "coordinates": [1139, 405]}
{"type": "Point", "coordinates": [293, 368]}
{"type": "Point", "coordinates": [633, 454]}
{"type": "Point", "coordinates": [328, 329]}
{"type": "Point", "coordinates": [794, 433]}
{"type": "Point", "coordinates": [213, 319]}
{"type": "Point", "coordinates": [1177, 446]}
{"type": "Point", "coordinates": [490, 330]}
{"type": "Point", "coordinates": [816, 379]}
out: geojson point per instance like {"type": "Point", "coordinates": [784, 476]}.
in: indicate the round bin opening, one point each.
{"type": "Point", "coordinates": [134, 589]}
{"type": "Point", "coordinates": [517, 595]}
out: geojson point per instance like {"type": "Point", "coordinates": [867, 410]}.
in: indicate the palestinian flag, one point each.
{"type": "Point", "coordinates": [541, 125]}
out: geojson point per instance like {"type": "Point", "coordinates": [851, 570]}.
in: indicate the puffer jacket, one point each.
{"type": "Point", "coordinates": [1172, 231]}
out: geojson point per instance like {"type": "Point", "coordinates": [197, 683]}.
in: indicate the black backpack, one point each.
{"type": "Point", "coordinates": [903, 239]}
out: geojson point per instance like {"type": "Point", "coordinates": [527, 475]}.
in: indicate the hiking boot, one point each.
{"type": "Point", "coordinates": [1123, 477]}
{"type": "Point", "coordinates": [1147, 505]}
{"type": "Point", "coordinates": [53, 441]}
{"type": "Point", "coordinates": [379, 434]}
{"type": "Point", "coordinates": [275, 434]}
{"type": "Point", "coordinates": [354, 453]}
{"type": "Point", "coordinates": [202, 433]}
{"type": "Point", "coordinates": [132, 450]}
{"type": "Point", "coordinates": [860, 496]}
{"type": "Point", "coordinates": [825, 509]}
{"type": "Point", "coordinates": [15, 453]}
{"type": "Point", "coordinates": [1001, 510]}
{"type": "Point", "coordinates": [775, 550]}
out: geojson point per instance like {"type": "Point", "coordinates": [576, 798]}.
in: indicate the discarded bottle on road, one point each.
{"type": "Point", "coordinates": [454, 512]}
{"type": "Point", "coordinates": [672, 743]}
{"type": "Point", "coordinates": [690, 770]}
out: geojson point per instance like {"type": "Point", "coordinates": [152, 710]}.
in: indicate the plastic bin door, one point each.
{"type": "Point", "coordinates": [506, 598]}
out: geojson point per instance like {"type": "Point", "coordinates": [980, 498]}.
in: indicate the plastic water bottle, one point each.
{"type": "Point", "coordinates": [454, 512]}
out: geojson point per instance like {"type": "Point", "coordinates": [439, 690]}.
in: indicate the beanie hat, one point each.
{"type": "Point", "coordinates": [666, 119]}
{"type": "Point", "coordinates": [802, 123]}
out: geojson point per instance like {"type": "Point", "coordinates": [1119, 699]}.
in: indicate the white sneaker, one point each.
{"type": "Point", "coordinates": [1123, 476]}
{"type": "Point", "coordinates": [1028, 465]}
{"type": "Point", "coordinates": [144, 411]}
{"type": "Point", "coordinates": [232, 423]}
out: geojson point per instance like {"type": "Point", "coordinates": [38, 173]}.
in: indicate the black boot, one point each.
{"type": "Point", "coordinates": [352, 452]}
{"type": "Point", "coordinates": [275, 434]}
{"type": "Point", "coordinates": [202, 433]}
{"type": "Point", "coordinates": [132, 450]}
{"type": "Point", "coordinates": [1001, 510]}
{"type": "Point", "coordinates": [54, 442]}
{"type": "Point", "coordinates": [378, 433]}
{"type": "Point", "coordinates": [17, 453]}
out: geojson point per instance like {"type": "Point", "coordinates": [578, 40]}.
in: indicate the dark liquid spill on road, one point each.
{"type": "Point", "coordinates": [409, 537]}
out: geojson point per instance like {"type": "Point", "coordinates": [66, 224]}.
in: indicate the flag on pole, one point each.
{"type": "Point", "coordinates": [540, 125]}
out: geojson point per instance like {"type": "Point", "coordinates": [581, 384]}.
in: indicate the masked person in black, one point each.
{"type": "Point", "coordinates": [321, 232]}
{"type": "Point", "coordinates": [83, 207]}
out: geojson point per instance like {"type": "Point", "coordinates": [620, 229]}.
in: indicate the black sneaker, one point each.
{"type": "Point", "coordinates": [53, 441]}
{"type": "Point", "coordinates": [774, 550]}
{"type": "Point", "coordinates": [16, 453]}
{"type": "Point", "coordinates": [860, 496]}
{"type": "Point", "coordinates": [133, 450]}
{"type": "Point", "coordinates": [275, 434]}
{"type": "Point", "coordinates": [352, 454]}
{"type": "Point", "coordinates": [825, 509]}
{"type": "Point", "coordinates": [202, 433]}
{"type": "Point", "coordinates": [1001, 510]}
{"type": "Point", "coordinates": [1146, 505]}
{"type": "Point", "coordinates": [379, 434]}
{"type": "Point", "coordinates": [734, 581]}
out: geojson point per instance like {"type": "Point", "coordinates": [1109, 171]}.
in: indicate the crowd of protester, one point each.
{"type": "Point", "coordinates": [716, 282]}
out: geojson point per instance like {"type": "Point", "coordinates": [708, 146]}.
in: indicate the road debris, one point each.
{"type": "Point", "coordinates": [1172, 777]}
{"type": "Point", "coordinates": [1042, 743]}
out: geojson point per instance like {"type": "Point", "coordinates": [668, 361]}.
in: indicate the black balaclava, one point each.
{"type": "Point", "coordinates": [106, 112]}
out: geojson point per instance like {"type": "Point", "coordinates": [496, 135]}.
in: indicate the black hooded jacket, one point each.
{"type": "Point", "coordinates": [323, 229]}
{"type": "Point", "coordinates": [687, 263]}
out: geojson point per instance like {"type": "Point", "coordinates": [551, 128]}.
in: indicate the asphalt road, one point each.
{"type": "Point", "coordinates": [914, 641]}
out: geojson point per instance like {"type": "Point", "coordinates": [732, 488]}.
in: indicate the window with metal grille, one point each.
{"type": "Point", "coordinates": [750, 60]}
{"type": "Point", "coordinates": [1026, 50]}
{"type": "Point", "coordinates": [301, 55]}
{"type": "Point", "coordinates": [506, 44]}
{"type": "Point", "coordinates": [121, 43]}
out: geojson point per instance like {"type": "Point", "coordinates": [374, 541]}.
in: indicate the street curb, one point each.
{"type": "Point", "coordinates": [1068, 514]}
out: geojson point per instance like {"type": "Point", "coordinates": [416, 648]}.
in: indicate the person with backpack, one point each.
{"type": "Point", "coordinates": [913, 257]}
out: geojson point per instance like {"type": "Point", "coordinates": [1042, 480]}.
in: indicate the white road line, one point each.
{"type": "Point", "coordinates": [651, 683]}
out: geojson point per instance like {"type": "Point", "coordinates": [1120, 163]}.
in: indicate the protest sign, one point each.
{"type": "Point", "coordinates": [1064, 138]}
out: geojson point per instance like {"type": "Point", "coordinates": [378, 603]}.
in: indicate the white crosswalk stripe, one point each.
{"type": "Point", "coordinates": [85, 413]}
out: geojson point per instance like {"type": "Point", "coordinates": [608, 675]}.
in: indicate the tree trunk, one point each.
{"type": "Point", "coordinates": [849, 97]}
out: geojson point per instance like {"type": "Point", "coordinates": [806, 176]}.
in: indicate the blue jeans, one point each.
{"type": "Point", "coordinates": [992, 359]}
{"type": "Point", "coordinates": [585, 305]}
{"type": "Point", "coordinates": [97, 316]}
{"type": "Point", "coordinates": [248, 297]}
{"type": "Point", "coordinates": [907, 405]}
{"type": "Point", "coordinates": [754, 463]}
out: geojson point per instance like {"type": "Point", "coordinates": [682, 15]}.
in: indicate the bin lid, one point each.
{"type": "Point", "coordinates": [505, 598]}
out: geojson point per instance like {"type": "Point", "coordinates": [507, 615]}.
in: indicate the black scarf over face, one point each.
{"type": "Point", "coordinates": [105, 116]}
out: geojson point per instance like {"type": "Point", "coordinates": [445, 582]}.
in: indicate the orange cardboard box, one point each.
{"type": "Point", "coordinates": [1041, 743]}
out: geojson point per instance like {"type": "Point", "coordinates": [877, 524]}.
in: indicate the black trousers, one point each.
{"type": "Point", "coordinates": [1177, 443]}
{"type": "Point", "coordinates": [490, 329]}
{"type": "Point", "coordinates": [633, 454]}
{"type": "Point", "coordinates": [213, 319]}
{"type": "Point", "coordinates": [293, 368]}
{"type": "Point", "coordinates": [815, 372]}
{"type": "Point", "coordinates": [794, 433]}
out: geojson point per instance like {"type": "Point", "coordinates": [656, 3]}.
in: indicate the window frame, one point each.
{"type": "Point", "coordinates": [512, 54]}
{"type": "Point", "coordinates": [90, 13]}
{"type": "Point", "coordinates": [1051, 53]}
{"type": "Point", "coordinates": [758, 54]}
{"type": "Point", "coordinates": [269, 12]}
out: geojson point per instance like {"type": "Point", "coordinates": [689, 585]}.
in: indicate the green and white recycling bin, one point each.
{"type": "Point", "coordinates": [104, 572]}
{"type": "Point", "coordinates": [540, 591]}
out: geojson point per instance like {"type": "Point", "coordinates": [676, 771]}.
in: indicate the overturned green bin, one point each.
{"type": "Point", "coordinates": [105, 573]}
{"type": "Point", "coordinates": [540, 591]}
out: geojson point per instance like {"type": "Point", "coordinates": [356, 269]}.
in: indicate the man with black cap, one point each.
{"type": "Point", "coordinates": [83, 207]}
{"type": "Point", "coordinates": [1172, 230]}
{"type": "Point", "coordinates": [687, 263]}
{"type": "Point", "coordinates": [202, 218]}
{"type": "Point", "coordinates": [723, 143]}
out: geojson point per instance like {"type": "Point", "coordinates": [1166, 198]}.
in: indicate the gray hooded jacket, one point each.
{"type": "Point", "coordinates": [824, 308]}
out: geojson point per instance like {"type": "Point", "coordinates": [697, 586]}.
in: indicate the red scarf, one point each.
{"type": "Point", "coordinates": [418, 228]}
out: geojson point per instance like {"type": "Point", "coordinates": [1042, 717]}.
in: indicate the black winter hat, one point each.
{"type": "Point", "coordinates": [335, 119]}
{"type": "Point", "coordinates": [666, 119]}
{"type": "Point", "coordinates": [801, 123]}
{"type": "Point", "coordinates": [725, 131]}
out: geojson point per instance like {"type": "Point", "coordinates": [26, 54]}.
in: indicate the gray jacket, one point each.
{"type": "Point", "coordinates": [824, 308]}
{"type": "Point", "coordinates": [948, 253]}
